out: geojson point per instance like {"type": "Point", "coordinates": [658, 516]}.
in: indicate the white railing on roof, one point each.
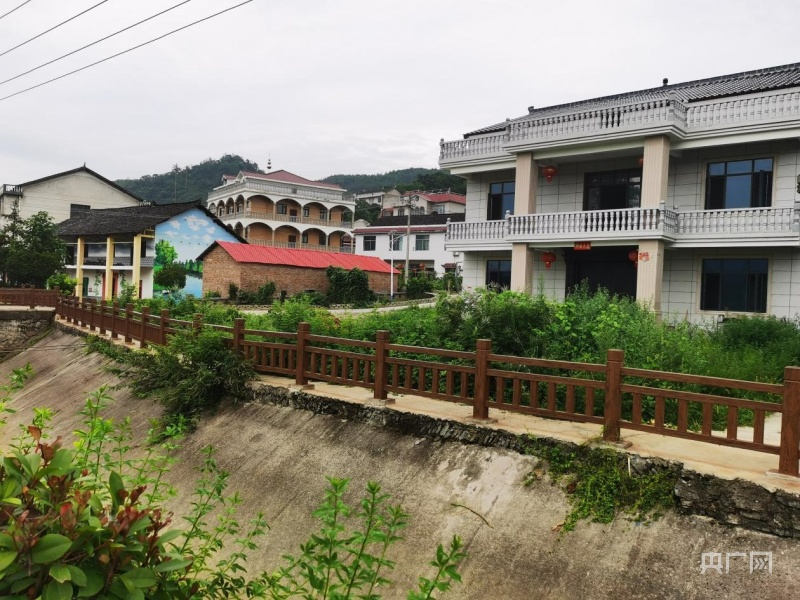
{"type": "Point", "coordinates": [231, 190]}
{"type": "Point", "coordinates": [719, 113]}
{"type": "Point", "coordinates": [733, 221]}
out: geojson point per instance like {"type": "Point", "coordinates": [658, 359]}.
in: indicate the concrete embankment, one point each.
{"type": "Point", "coordinates": [278, 457]}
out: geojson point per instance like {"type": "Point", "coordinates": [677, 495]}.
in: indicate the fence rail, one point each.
{"type": "Point", "coordinates": [29, 296]}
{"type": "Point", "coordinates": [610, 394]}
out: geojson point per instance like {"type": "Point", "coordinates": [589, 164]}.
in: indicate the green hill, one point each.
{"type": "Point", "coordinates": [194, 182]}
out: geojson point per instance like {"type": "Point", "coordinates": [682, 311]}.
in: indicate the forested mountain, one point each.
{"type": "Point", "coordinates": [188, 183]}
{"type": "Point", "coordinates": [403, 180]}
{"type": "Point", "coordinates": [184, 184]}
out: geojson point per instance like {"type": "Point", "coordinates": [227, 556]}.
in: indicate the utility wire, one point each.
{"type": "Point", "coordinates": [161, 37]}
{"type": "Point", "coordinates": [13, 9]}
{"type": "Point", "coordinates": [54, 27]}
{"type": "Point", "coordinates": [95, 42]}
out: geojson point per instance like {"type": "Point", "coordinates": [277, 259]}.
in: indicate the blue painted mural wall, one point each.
{"type": "Point", "coordinates": [189, 234]}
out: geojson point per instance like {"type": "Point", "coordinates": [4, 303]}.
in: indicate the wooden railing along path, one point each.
{"type": "Point", "coordinates": [29, 296]}
{"type": "Point", "coordinates": [611, 394]}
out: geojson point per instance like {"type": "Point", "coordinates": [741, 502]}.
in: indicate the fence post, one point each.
{"type": "Point", "coordinates": [143, 327]}
{"type": "Point", "coordinates": [114, 315]}
{"type": "Point", "coordinates": [480, 403]}
{"type": "Point", "coordinates": [197, 323]}
{"type": "Point", "coordinates": [238, 336]}
{"type": "Point", "coordinates": [381, 371]}
{"type": "Point", "coordinates": [790, 423]}
{"type": "Point", "coordinates": [303, 330]}
{"type": "Point", "coordinates": [613, 404]}
{"type": "Point", "coordinates": [128, 317]}
{"type": "Point", "coordinates": [91, 315]}
{"type": "Point", "coordinates": [32, 297]}
{"type": "Point", "coordinates": [163, 326]}
{"type": "Point", "coordinates": [101, 325]}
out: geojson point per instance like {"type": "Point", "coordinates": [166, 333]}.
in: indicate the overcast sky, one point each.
{"type": "Point", "coordinates": [348, 86]}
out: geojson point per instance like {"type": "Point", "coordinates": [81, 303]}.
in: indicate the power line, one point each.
{"type": "Point", "coordinates": [95, 42]}
{"type": "Point", "coordinates": [161, 37]}
{"type": "Point", "coordinates": [13, 9]}
{"type": "Point", "coordinates": [54, 27]}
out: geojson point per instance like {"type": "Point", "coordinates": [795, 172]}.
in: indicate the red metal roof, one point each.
{"type": "Point", "coordinates": [288, 177]}
{"type": "Point", "coordinates": [310, 259]}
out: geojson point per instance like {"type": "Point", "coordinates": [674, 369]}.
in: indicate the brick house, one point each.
{"type": "Point", "coordinates": [293, 271]}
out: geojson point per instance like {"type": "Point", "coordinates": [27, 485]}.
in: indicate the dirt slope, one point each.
{"type": "Point", "coordinates": [279, 457]}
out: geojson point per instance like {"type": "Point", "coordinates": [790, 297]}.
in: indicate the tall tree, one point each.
{"type": "Point", "coordinates": [30, 250]}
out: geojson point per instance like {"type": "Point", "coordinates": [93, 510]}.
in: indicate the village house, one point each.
{"type": "Point", "coordinates": [421, 202]}
{"type": "Point", "coordinates": [284, 210]}
{"type": "Point", "coordinates": [110, 248]}
{"type": "Point", "coordinates": [683, 196]}
{"type": "Point", "coordinates": [249, 266]}
{"type": "Point", "coordinates": [64, 195]}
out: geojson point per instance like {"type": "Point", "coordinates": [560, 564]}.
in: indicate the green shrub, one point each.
{"type": "Point", "coordinates": [419, 286]}
{"type": "Point", "coordinates": [348, 287]}
{"type": "Point", "coordinates": [63, 282]}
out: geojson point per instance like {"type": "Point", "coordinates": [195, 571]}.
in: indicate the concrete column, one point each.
{"type": "Point", "coordinates": [108, 289]}
{"type": "Point", "coordinates": [650, 273]}
{"type": "Point", "coordinates": [522, 261]}
{"type": "Point", "coordinates": [79, 267]}
{"type": "Point", "coordinates": [527, 176]}
{"type": "Point", "coordinates": [655, 171]}
{"type": "Point", "coordinates": [137, 261]}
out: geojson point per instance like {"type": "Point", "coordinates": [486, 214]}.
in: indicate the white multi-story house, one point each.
{"type": "Point", "coordinates": [683, 196]}
{"type": "Point", "coordinates": [422, 203]}
{"type": "Point", "coordinates": [285, 210]}
{"type": "Point", "coordinates": [391, 239]}
{"type": "Point", "coordinates": [65, 195]}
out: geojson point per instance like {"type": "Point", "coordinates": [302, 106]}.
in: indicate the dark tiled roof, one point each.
{"type": "Point", "coordinates": [128, 220]}
{"type": "Point", "coordinates": [747, 82]}
{"type": "Point", "coordinates": [419, 220]}
{"type": "Point", "coordinates": [85, 169]}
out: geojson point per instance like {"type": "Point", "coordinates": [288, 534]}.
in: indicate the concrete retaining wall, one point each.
{"type": "Point", "coordinates": [19, 325]}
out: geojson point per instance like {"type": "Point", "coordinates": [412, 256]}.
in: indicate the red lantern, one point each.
{"type": "Point", "coordinates": [548, 258]}
{"type": "Point", "coordinates": [633, 256]}
{"type": "Point", "coordinates": [549, 172]}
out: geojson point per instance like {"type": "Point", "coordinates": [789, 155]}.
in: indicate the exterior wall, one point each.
{"type": "Point", "coordinates": [433, 258]}
{"type": "Point", "coordinates": [219, 269]}
{"type": "Point", "coordinates": [55, 195]}
{"type": "Point", "coordinates": [96, 273]}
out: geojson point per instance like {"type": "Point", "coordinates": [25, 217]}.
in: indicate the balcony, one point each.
{"type": "Point", "coordinates": [687, 229]}
{"type": "Point", "coordinates": [301, 246]}
{"type": "Point", "coordinates": [273, 216]}
{"type": "Point", "coordinates": [667, 115]}
{"type": "Point", "coordinates": [285, 191]}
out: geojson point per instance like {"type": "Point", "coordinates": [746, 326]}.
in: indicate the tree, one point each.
{"type": "Point", "coordinates": [368, 212]}
{"type": "Point", "coordinates": [171, 277]}
{"type": "Point", "coordinates": [30, 249]}
{"type": "Point", "coordinates": [165, 253]}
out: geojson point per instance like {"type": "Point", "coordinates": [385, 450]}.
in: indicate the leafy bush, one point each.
{"type": "Point", "coordinates": [171, 277]}
{"type": "Point", "coordinates": [63, 282]}
{"type": "Point", "coordinates": [191, 374]}
{"type": "Point", "coordinates": [349, 287]}
{"type": "Point", "coordinates": [419, 286]}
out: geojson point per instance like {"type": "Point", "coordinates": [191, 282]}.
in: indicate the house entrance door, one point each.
{"type": "Point", "coordinates": [608, 268]}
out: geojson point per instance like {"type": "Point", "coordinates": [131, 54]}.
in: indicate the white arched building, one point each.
{"type": "Point", "coordinates": [285, 210]}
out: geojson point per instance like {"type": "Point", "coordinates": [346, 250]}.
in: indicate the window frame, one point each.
{"type": "Point", "coordinates": [426, 237]}
{"type": "Point", "coordinates": [489, 262]}
{"type": "Point", "coordinates": [707, 180]}
{"type": "Point", "coordinates": [700, 279]}
{"type": "Point", "coordinates": [396, 243]}
{"type": "Point", "coordinates": [502, 196]}
{"type": "Point", "coordinates": [629, 174]}
{"type": "Point", "coordinates": [372, 240]}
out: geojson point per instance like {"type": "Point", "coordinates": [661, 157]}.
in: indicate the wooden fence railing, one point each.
{"type": "Point", "coordinates": [610, 394]}
{"type": "Point", "coordinates": [29, 296]}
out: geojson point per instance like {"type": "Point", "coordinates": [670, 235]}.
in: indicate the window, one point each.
{"type": "Point", "coordinates": [323, 214]}
{"type": "Point", "coordinates": [611, 190]}
{"type": "Point", "coordinates": [75, 210]}
{"type": "Point", "coordinates": [739, 184]}
{"type": "Point", "coordinates": [280, 209]}
{"type": "Point", "coordinates": [501, 200]}
{"type": "Point", "coordinates": [498, 273]}
{"type": "Point", "coordinates": [396, 242]}
{"type": "Point", "coordinates": [422, 242]}
{"type": "Point", "coordinates": [369, 243]}
{"type": "Point", "coordinates": [306, 211]}
{"type": "Point", "coordinates": [304, 238]}
{"type": "Point", "coordinates": [734, 284]}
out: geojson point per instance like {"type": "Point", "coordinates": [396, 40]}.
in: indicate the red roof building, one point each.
{"type": "Point", "coordinates": [293, 271]}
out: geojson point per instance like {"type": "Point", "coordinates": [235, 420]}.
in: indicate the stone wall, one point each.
{"type": "Point", "coordinates": [19, 325]}
{"type": "Point", "coordinates": [730, 502]}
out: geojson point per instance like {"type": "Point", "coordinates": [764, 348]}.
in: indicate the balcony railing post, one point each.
{"type": "Point", "coordinates": [381, 371]}
{"type": "Point", "coordinates": [114, 316]}
{"type": "Point", "coordinates": [143, 327]}
{"type": "Point", "coordinates": [613, 402]}
{"type": "Point", "coordinates": [162, 326]}
{"type": "Point", "coordinates": [790, 423]}
{"type": "Point", "coordinates": [480, 404]}
{"type": "Point", "coordinates": [128, 318]}
{"type": "Point", "coordinates": [303, 329]}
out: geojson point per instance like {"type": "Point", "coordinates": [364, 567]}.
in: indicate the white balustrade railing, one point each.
{"type": "Point", "coordinates": [476, 230]}
{"type": "Point", "coordinates": [475, 146]}
{"type": "Point", "coordinates": [226, 192]}
{"type": "Point", "coordinates": [626, 220]}
{"type": "Point", "coordinates": [273, 216]}
{"type": "Point", "coordinates": [720, 113]}
{"type": "Point", "coordinates": [733, 221]}
{"type": "Point", "coordinates": [301, 246]}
